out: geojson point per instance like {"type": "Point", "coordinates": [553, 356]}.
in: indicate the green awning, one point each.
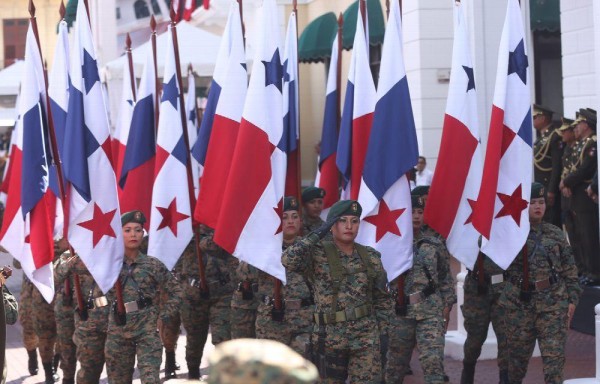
{"type": "Point", "coordinates": [376, 23]}
{"type": "Point", "coordinates": [544, 15]}
{"type": "Point", "coordinates": [314, 44]}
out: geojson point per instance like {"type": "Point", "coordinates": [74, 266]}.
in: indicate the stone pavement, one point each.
{"type": "Point", "coordinates": [580, 355]}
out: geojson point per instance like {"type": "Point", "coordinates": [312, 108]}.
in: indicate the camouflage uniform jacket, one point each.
{"type": "Point", "coordinates": [428, 258]}
{"type": "Point", "coordinates": [11, 307]}
{"type": "Point", "coordinates": [308, 257]}
{"type": "Point", "coordinates": [146, 276]}
{"type": "Point", "coordinates": [310, 224]}
{"type": "Point", "coordinates": [547, 151]}
{"type": "Point", "coordinates": [585, 164]}
{"type": "Point", "coordinates": [552, 246]}
{"type": "Point", "coordinates": [97, 317]}
{"type": "Point", "coordinates": [220, 265]}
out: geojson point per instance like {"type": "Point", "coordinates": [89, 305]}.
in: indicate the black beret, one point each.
{"type": "Point", "coordinates": [541, 110]}
{"type": "Point", "coordinates": [537, 190]}
{"type": "Point", "coordinates": [344, 208]}
{"type": "Point", "coordinates": [421, 190]}
{"type": "Point", "coordinates": [133, 217]}
{"type": "Point", "coordinates": [418, 201]}
{"type": "Point", "coordinates": [311, 193]}
{"type": "Point", "coordinates": [290, 203]}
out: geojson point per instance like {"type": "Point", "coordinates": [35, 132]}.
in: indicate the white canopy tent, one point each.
{"type": "Point", "coordinates": [10, 78]}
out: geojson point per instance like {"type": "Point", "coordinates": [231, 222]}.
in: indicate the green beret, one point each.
{"type": "Point", "coordinates": [311, 193]}
{"type": "Point", "coordinates": [537, 190]}
{"type": "Point", "coordinates": [418, 201]}
{"type": "Point", "coordinates": [290, 203]}
{"type": "Point", "coordinates": [133, 217]}
{"type": "Point", "coordinates": [421, 190]}
{"type": "Point", "coordinates": [344, 208]}
{"type": "Point", "coordinates": [259, 361]}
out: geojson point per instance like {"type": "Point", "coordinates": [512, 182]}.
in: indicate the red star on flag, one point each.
{"type": "Point", "coordinates": [99, 224]}
{"type": "Point", "coordinates": [472, 205]}
{"type": "Point", "coordinates": [513, 205]}
{"type": "Point", "coordinates": [170, 216]}
{"type": "Point", "coordinates": [385, 221]}
{"type": "Point", "coordinates": [279, 211]}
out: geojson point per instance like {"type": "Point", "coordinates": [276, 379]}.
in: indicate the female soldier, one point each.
{"type": "Point", "coordinates": [142, 277]}
{"type": "Point", "coordinates": [292, 326]}
{"type": "Point", "coordinates": [540, 296]}
{"type": "Point", "coordinates": [350, 296]}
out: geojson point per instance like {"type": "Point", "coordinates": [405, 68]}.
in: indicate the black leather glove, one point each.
{"type": "Point", "coordinates": [325, 227]}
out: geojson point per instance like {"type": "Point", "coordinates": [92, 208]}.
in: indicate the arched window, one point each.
{"type": "Point", "coordinates": [141, 9]}
{"type": "Point", "coordinates": [155, 7]}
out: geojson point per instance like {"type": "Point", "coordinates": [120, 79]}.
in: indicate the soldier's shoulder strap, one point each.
{"type": "Point", "coordinates": [363, 252]}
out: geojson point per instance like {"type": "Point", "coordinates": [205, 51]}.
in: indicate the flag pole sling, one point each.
{"type": "Point", "coordinates": [186, 140]}
{"type": "Point", "coordinates": [54, 149]}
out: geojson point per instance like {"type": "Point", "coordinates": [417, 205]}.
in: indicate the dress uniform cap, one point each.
{"type": "Point", "coordinates": [133, 217]}
{"type": "Point", "coordinates": [418, 201]}
{"type": "Point", "coordinates": [589, 116]}
{"type": "Point", "coordinates": [290, 203]}
{"type": "Point", "coordinates": [421, 190]}
{"type": "Point", "coordinates": [541, 110]}
{"type": "Point", "coordinates": [344, 208]}
{"type": "Point", "coordinates": [258, 361]}
{"type": "Point", "coordinates": [537, 190]}
{"type": "Point", "coordinates": [310, 193]}
{"type": "Point", "coordinates": [566, 124]}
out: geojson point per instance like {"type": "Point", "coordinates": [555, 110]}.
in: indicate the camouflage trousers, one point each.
{"type": "Point", "coordinates": [479, 311]}
{"type": "Point", "coordinates": [550, 330]}
{"type": "Point", "coordinates": [195, 318]}
{"type": "Point", "coordinates": [45, 326]}
{"type": "Point", "coordinates": [65, 327]}
{"type": "Point", "coordinates": [138, 338]}
{"type": "Point", "coordinates": [219, 317]}
{"type": "Point", "coordinates": [243, 317]}
{"type": "Point", "coordinates": [291, 331]}
{"type": "Point", "coordinates": [428, 336]}
{"type": "Point", "coordinates": [351, 351]}
{"type": "Point", "coordinates": [26, 311]}
{"type": "Point", "coordinates": [90, 343]}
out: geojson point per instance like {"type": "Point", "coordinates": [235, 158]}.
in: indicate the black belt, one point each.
{"type": "Point", "coordinates": [487, 278]}
{"type": "Point", "coordinates": [291, 303]}
{"type": "Point", "coordinates": [253, 286]}
{"type": "Point", "coordinates": [348, 314]}
{"type": "Point", "coordinates": [535, 286]}
{"type": "Point", "coordinates": [134, 306]}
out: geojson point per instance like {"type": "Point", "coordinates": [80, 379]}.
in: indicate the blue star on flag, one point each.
{"type": "Point", "coordinates": [89, 71]}
{"type": "Point", "coordinates": [274, 71]}
{"type": "Point", "coordinates": [192, 116]}
{"type": "Point", "coordinates": [471, 76]}
{"type": "Point", "coordinates": [286, 73]}
{"type": "Point", "coordinates": [518, 63]}
{"type": "Point", "coordinates": [170, 92]}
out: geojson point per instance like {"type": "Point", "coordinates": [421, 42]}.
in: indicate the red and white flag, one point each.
{"type": "Point", "coordinates": [457, 176]}
{"type": "Point", "coordinates": [27, 227]}
{"type": "Point", "coordinates": [189, 8]}
{"type": "Point", "coordinates": [94, 216]}
{"type": "Point", "coordinates": [171, 218]}
{"type": "Point", "coordinates": [357, 116]}
{"type": "Point", "coordinates": [501, 212]}
{"type": "Point", "coordinates": [221, 120]}
{"type": "Point", "coordinates": [249, 223]}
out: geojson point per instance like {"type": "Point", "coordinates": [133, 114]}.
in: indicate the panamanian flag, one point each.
{"type": "Point", "coordinates": [221, 120]}
{"type": "Point", "coordinates": [94, 216]}
{"type": "Point", "coordinates": [171, 219]}
{"type": "Point", "coordinates": [137, 172]}
{"type": "Point", "coordinates": [58, 92]}
{"type": "Point", "coordinates": [501, 212]}
{"type": "Point", "coordinates": [393, 150]}
{"type": "Point", "coordinates": [249, 224]}
{"type": "Point", "coordinates": [328, 176]}
{"type": "Point", "coordinates": [27, 227]}
{"type": "Point", "coordinates": [290, 140]}
{"type": "Point", "coordinates": [457, 176]}
{"type": "Point", "coordinates": [357, 116]}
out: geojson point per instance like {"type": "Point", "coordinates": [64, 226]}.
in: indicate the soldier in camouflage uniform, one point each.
{"type": "Point", "coordinates": [312, 203]}
{"type": "Point", "coordinates": [169, 332]}
{"type": "Point", "coordinates": [194, 309]}
{"type": "Point", "coordinates": [353, 307]}
{"type": "Point", "coordinates": [65, 325]}
{"type": "Point", "coordinates": [576, 183]}
{"type": "Point", "coordinates": [11, 307]}
{"type": "Point", "coordinates": [292, 324]}
{"type": "Point", "coordinates": [133, 334]}
{"type": "Point", "coordinates": [482, 289]}
{"type": "Point", "coordinates": [91, 321]}
{"type": "Point", "coordinates": [547, 158]}
{"type": "Point", "coordinates": [220, 270]}
{"type": "Point", "coordinates": [539, 305]}
{"type": "Point", "coordinates": [244, 302]}
{"type": "Point", "coordinates": [424, 298]}
{"type": "Point", "coordinates": [247, 361]}
{"type": "Point", "coordinates": [26, 309]}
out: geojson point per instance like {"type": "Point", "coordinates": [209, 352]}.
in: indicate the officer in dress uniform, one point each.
{"type": "Point", "coordinates": [547, 156]}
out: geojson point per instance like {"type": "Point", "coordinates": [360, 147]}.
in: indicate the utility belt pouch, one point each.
{"type": "Point", "coordinates": [143, 302]}
{"type": "Point", "coordinates": [553, 278]}
{"type": "Point", "coordinates": [482, 290]}
{"type": "Point", "coordinates": [525, 296]}
{"type": "Point", "coordinates": [278, 314]}
{"type": "Point", "coordinates": [246, 289]}
{"type": "Point", "coordinates": [401, 309]}
{"type": "Point", "coordinates": [429, 290]}
{"type": "Point", "coordinates": [120, 318]}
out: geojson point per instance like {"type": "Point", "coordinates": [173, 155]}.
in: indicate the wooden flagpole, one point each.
{"type": "Point", "coordinates": [130, 63]}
